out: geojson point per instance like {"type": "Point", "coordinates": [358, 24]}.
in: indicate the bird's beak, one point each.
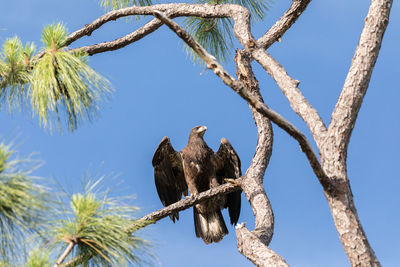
{"type": "Point", "coordinates": [202, 129]}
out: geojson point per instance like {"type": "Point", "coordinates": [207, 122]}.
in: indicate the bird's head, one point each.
{"type": "Point", "coordinates": [198, 131]}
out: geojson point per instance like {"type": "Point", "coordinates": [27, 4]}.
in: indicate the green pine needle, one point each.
{"type": "Point", "coordinates": [14, 71]}
{"type": "Point", "coordinates": [4, 263]}
{"type": "Point", "coordinates": [38, 258]}
{"type": "Point", "coordinates": [215, 35]}
{"type": "Point", "coordinates": [109, 5]}
{"type": "Point", "coordinates": [100, 229]}
{"type": "Point", "coordinates": [54, 36]}
{"type": "Point", "coordinates": [60, 84]}
{"type": "Point", "coordinates": [118, 4]}
{"type": "Point", "coordinates": [257, 8]}
{"type": "Point", "coordinates": [23, 203]}
{"type": "Point", "coordinates": [63, 82]}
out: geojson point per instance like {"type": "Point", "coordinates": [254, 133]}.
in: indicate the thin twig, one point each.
{"type": "Point", "coordinates": [65, 254]}
{"type": "Point", "coordinates": [74, 261]}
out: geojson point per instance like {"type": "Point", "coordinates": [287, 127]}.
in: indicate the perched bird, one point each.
{"type": "Point", "coordinates": [198, 168]}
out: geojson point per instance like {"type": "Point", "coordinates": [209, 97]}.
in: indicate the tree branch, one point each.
{"type": "Point", "coordinates": [239, 88]}
{"type": "Point", "coordinates": [65, 254]}
{"type": "Point", "coordinates": [187, 202]}
{"type": "Point", "coordinates": [239, 14]}
{"type": "Point", "coordinates": [236, 12]}
{"type": "Point", "coordinates": [255, 250]}
{"type": "Point", "coordinates": [297, 101]}
{"type": "Point", "coordinates": [155, 216]}
{"type": "Point", "coordinates": [253, 186]}
{"type": "Point", "coordinates": [288, 85]}
{"type": "Point", "coordinates": [283, 24]}
{"type": "Point", "coordinates": [254, 244]}
{"type": "Point", "coordinates": [334, 151]}
{"type": "Point", "coordinates": [130, 38]}
{"type": "Point", "coordinates": [355, 86]}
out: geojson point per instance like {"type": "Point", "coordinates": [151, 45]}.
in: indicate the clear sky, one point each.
{"type": "Point", "coordinates": [160, 92]}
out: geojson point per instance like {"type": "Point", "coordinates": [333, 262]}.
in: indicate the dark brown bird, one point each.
{"type": "Point", "coordinates": [198, 168]}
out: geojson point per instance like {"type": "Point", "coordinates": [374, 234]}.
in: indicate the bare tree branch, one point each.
{"type": "Point", "coordinates": [236, 12]}
{"type": "Point", "coordinates": [283, 24]}
{"type": "Point", "coordinates": [289, 87]}
{"type": "Point", "coordinates": [260, 254]}
{"type": "Point", "coordinates": [252, 184]}
{"type": "Point", "coordinates": [239, 14]}
{"type": "Point", "coordinates": [128, 39]}
{"type": "Point", "coordinates": [334, 150]}
{"type": "Point", "coordinates": [187, 202]}
{"type": "Point", "coordinates": [65, 254]}
{"type": "Point", "coordinates": [355, 86]}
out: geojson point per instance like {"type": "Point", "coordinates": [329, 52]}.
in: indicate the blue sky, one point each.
{"type": "Point", "coordinates": [160, 92]}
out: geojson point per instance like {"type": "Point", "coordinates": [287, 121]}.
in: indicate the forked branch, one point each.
{"type": "Point", "coordinates": [128, 39]}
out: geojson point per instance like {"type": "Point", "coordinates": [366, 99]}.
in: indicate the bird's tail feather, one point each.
{"type": "Point", "coordinates": [209, 226]}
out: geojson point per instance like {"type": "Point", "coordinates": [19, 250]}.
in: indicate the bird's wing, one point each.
{"type": "Point", "coordinates": [228, 166]}
{"type": "Point", "coordinates": [168, 175]}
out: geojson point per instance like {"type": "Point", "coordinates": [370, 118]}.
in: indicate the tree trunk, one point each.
{"type": "Point", "coordinates": [334, 149]}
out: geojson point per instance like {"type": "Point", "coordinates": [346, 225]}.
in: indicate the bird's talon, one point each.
{"type": "Point", "coordinates": [231, 181]}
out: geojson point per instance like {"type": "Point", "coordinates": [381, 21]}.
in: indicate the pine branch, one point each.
{"type": "Point", "coordinates": [183, 204]}
{"type": "Point", "coordinates": [65, 254]}
{"type": "Point", "coordinates": [117, 4]}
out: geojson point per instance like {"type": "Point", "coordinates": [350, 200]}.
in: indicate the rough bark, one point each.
{"type": "Point", "coordinates": [119, 43]}
{"type": "Point", "coordinates": [65, 254]}
{"type": "Point", "coordinates": [297, 101]}
{"type": "Point", "coordinates": [334, 150]}
{"type": "Point", "coordinates": [252, 184]}
{"type": "Point", "coordinates": [283, 24]}
{"type": "Point", "coordinates": [355, 86]}
{"type": "Point", "coordinates": [255, 250]}
{"type": "Point", "coordinates": [187, 202]}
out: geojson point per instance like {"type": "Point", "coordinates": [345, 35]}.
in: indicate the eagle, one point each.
{"type": "Point", "coordinates": [198, 168]}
